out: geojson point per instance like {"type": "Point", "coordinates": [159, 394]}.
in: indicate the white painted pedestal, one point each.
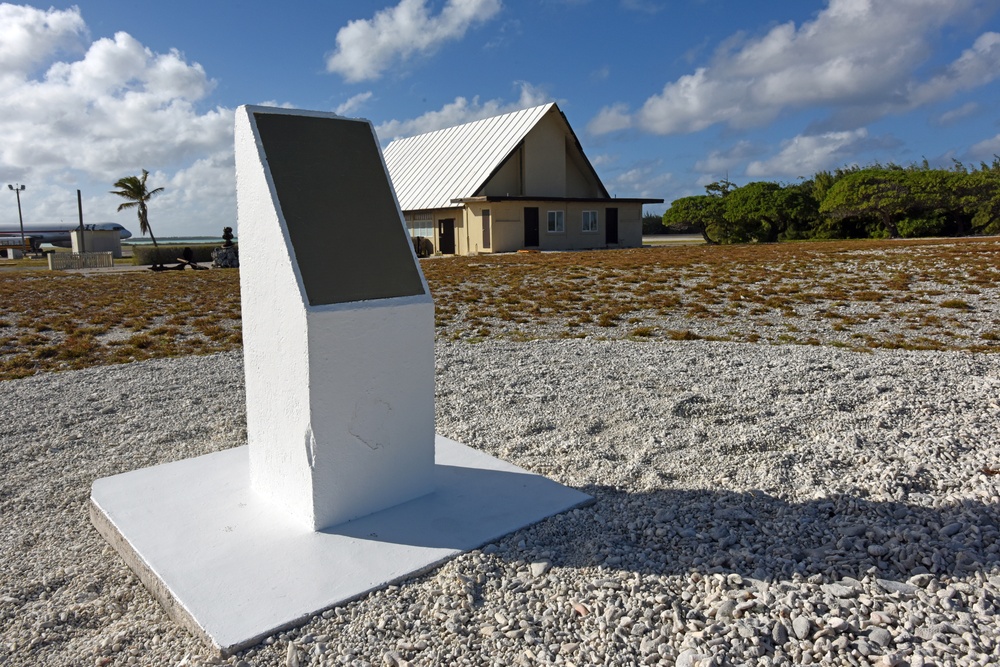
{"type": "Point", "coordinates": [233, 568]}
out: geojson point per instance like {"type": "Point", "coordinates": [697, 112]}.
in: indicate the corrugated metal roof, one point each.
{"type": "Point", "coordinates": [429, 170]}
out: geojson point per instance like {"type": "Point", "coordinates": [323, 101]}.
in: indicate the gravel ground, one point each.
{"type": "Point", "coordinates": [756, 504]}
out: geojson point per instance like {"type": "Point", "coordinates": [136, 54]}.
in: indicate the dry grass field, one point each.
{"type": "Point", "coordinates": [860, 294]}
{"type": "Point", "coordinates": [63, 320]}
{"type": "Point", "coordinates": [927, 294]}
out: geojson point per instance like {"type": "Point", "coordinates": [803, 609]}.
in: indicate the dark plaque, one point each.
{"type": "Point", "coordinates": [338, 204]}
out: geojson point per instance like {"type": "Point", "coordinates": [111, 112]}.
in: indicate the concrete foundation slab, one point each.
{"type": "Point", "coordinates": [234, 569]}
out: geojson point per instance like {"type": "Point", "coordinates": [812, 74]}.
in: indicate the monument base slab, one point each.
{"type": "Point", "coordinates": [234, 569]}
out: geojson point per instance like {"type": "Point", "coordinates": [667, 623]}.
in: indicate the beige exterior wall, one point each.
{"type": "Point", "coordinates": [507, 182]}
{"type": "Point", "coordinates": [507, 223]}
{"type": "Point", "coordinates": [579, 179]}
{"type": "Point", "coordinates": [507, 226]}
{"type": "Point", "coordinates": [576, 184]}
{"type": "Point", "coordinates": [572, 235]}
{"type": "Point", "coordinates": [477, 242]}
{"type": "Point", "coordinates": [630, 226]}
{"type": "Point", "coordinates": [545, 159]}
{"type": "Point", "coordinates": [548, 163]}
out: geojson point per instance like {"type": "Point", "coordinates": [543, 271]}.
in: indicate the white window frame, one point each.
{"type": "Point", "coordinates": [421, 224]}
{"type": "Point", "coordinates": [487, 218]}
{"type": "Point", "coordinates": [589, 222]}
{"type": "Point", "coordinates": [556, 222]}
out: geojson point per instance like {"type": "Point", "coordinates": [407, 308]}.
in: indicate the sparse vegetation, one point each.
{"type": "Point", "coordinates": [60, 321]}
{"type": "Point", "coordinates": [858, 294]}
{"type": "Point", "coordinates": [920, 295]}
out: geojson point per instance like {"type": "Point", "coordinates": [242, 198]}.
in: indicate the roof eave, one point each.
{"type": "Point", "coordinates": [503, 198]}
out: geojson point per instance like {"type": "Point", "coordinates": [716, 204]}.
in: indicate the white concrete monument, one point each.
{"type": "Point", "coordinates": [343, 487]}
{"type": "Point", "coordinates": [329, 279]}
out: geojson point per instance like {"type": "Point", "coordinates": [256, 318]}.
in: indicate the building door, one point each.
{"type": "Point", "coordinates": [446, 236]}
{"type": "Point", "coordinates": [531, 227]}
{"type": "Point", "coordinates": [611, 226]}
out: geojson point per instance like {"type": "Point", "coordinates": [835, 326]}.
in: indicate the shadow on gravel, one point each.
{"type": "Point", "coordinates": [760, 536]}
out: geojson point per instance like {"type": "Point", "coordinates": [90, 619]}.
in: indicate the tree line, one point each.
{"type": "Point", "coordinates": [876, 201]}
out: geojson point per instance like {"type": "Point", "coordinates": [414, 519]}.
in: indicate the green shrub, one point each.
{"type": "Point", "coordinates": [168, 254]}
{"type": "Point", "coordinates": [917, 227]}
{"type": "Point", "coordinates": [673, 334]}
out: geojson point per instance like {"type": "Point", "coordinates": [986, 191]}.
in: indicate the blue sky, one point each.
{"type": "Point", "coordinates": [665, 95]}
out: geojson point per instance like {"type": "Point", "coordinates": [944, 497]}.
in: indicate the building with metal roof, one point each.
{"type": "Point", "coordinates": [520, 180]}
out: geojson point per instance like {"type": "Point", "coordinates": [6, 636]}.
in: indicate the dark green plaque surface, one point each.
{"type": "Point", "coordinates": [338, 204]}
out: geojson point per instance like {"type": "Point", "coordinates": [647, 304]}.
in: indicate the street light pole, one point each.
{"type": "Point", "coordinates": [17, 191]}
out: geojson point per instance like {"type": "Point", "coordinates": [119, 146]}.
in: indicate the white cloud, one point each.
{"type": "Point", "coordinates": [642, 6]}
{"type": "Point", "coordinates": [460, 111]}
{"type": "Point", "coordinates": [28, 36]}
{"type": "Point", "coordinates": [354, 103]}
{"type": "Point", "coordinates": [206, 190]}
{"type": "Point", "coordinates": [610, 119]}
{"type": "Point", "coordinates": [277, 104]}
{"type": "Point", "coordinates": [367, 47]}
{"type": "Point", "coordinates": [503, 34]}
{"type": "Point", "coordinates": [721, 161]}
{"type": "Point", "coordinates": [805, 155]}
{"type": "Point", "coordinates": [641, 179]}
{"type": "Point", "coordinates": [600, 74]}
{"type": "Point", "coordinates": [955, 115]}
{"type": "Point", "coordinates": [110, 111]}
{"type": "Point", "coordinates": [603, 160]}
{"type": "Point", "coordinates": [857, 56]}
{"type": "Point", "coordinates": [986, 149]}
{"type": "Point", "coordinates": [975, 67]}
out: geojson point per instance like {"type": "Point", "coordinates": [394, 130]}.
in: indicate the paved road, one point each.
{"type": "Point", "coordinates": [672, 239]}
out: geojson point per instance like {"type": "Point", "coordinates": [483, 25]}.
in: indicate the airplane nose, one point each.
{"type": "Point", "coordinates": [126, 234]}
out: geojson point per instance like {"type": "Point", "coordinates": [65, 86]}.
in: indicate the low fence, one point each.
{"type": "Point", "coordinates": [80, 260]}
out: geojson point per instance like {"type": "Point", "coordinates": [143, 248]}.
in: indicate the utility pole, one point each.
{"type": "Point", "coordinates": [17, 188]}
{"type": "Point", "coordinates": [79, 207]}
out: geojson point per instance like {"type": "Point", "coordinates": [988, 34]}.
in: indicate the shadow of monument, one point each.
{"type": "Point", "coordinates": [753, 534]}
{"type": "Point", "coordinates": [467, 504]}
{"type": "Point", "coordinates": [758, 535]}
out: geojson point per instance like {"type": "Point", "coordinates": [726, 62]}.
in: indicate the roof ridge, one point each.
{"type": "Point", "coordinates": [464, 157]}
{"type": "Point", "coordinates": [451, 128]}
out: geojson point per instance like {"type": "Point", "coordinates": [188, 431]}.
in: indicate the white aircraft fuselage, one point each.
{"type": "Point", "coordinates": [57, 234]}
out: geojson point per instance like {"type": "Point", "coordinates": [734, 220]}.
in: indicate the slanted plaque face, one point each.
{"type": "Point", "coordinates": [338, 205]}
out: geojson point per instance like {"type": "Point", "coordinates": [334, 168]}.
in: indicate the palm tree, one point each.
{"type": "Point", "coordinates": [134, 189]}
